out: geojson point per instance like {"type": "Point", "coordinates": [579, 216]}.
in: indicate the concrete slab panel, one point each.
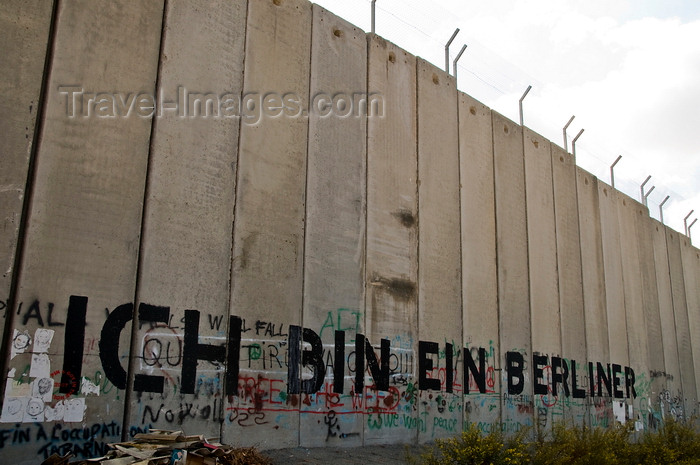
{"type": "Point", "coordinates": [595, 302]}
{"type": "Point", "coordinates": [691, 272]}
{"type": "Point", "coordinates": [652, 317]}
{"type": "Point", "coordinates": [571, 305]}
{"type": "Point", "coordinates": [627, 212]}
{"type": "Point", "coordinates": [268, 240]}
{"type": "Point", "coordinates": [680, 313]}
{"type": "Point", "coordinates": [544, 278]}
{"type": "Point", "coordinates": [24, 33]}
{"type": "Point", "coordinates": [614, 280]}
{"type": "Point", "coordinates": [335, 222]}
{"type": "Point", "coordinates": [671, 399]}
{"type": "Point", "coordinates": [82, 238]}
{"type": "Point", "coordinates": [513, 274]}
{"type": "Point", "coordinates": [188, 217]}
{"type": "Point", "coordinates": [439, 253]}
{"type": "Point", "coordinates": [479, 276]}
{"type": "Point", "coordinates": [392, 232]}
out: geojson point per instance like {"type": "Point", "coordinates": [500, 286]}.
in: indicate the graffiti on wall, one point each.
{"type": "Point", "coordinates": [258, 370]}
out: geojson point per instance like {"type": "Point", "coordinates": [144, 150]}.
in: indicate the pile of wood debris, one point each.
{"type": "Point", "coordinates": [160, 447]}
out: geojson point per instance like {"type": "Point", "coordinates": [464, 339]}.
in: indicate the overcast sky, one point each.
{"type": "Point", "coordinates": [628, 69]}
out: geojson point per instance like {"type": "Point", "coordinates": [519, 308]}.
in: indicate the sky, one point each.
{"type": "Point", "coordinates": [629, 70]}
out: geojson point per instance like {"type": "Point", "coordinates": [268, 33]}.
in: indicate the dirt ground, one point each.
{"type": "Point", "coordinates": [385, 455]}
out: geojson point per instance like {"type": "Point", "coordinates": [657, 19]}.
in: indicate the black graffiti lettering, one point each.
{"type": "Point", "coordinates": [304, 350]}
{"type": "Point", "coordinates": [193, 351]}
{"type": "Point", "coordinates": [578, 392]}
{"type": "Point", "coordinates": [425, 364]}
{"type": "Point", "coordinates": [365, 351]}
{"type": "Point", "coordinates": [148, 410]}
{"type": "Point", "coordinates": [339, 365]}
{"type": "Point", "coordinates": [616, 370]}
{"type": "Point", "coordinates": [294, 365]}
{"type": "Point", "coordinates": [297, 357]}
{"type": "Point", "coordinates": [49, 319]}
{"type": "Point", "coordinates": [234, 355]}
{"type": "Point", "coordinates": [603, 377]}
{"type": "Point", "coordinates": [479, 374]}
{"type": "Point", "coordinates": [15, 436]}
{"type": "Point", "coordinates": [449, 372]}
{"type": "Point", "coordinates": [152, 314]}
{"type": "Point", "coordinates": [560, 377]}
{"type": "Point", "coordinates": [629, 382]}
{"type": "Point", "coordinates": [270, 330]}
{"type": "Point", "coordinates": [514, 371]}
{"type": "Point", "coordinates": [33, 312]}
{"type": "Point", "coordinates": [109, 344]}
{"type": "Point", "coordinates": [273, 353]}
{"type": "Point", "coordinates": [215, 321]}
{"type": "Point", "coordinates": [379, 371]}
{"type": "Point", "coordinates": [73, 346]}
{"type": "Point", "coordinates": [313, 358]}
{"type": "Point", "coordinates": [359, 354]}
{"type": "Point", "coordinates": [538, 364]}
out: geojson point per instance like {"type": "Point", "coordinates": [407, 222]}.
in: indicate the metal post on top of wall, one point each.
{"type": "Point", "coordinates": [646, 196]}
{"type": "Point", "coordinates": [573, 144]}
{"type": "Point", "coordinates": [691, 225]}
{"type": "Point", "coordinates": [641, 189]}
{"type": "Point", "coordinates": [454, 63]}
{"type": "Point", "coordinates": [612, 170]}
{"type": "Point", "coordinates": [373, 14]}
{"type": "Point", "coordinates": [447, 51]}
{"type": "Point", "coordinates": [685, 221]}
{"type": "Point", "coordinates": [520, 104]}
{"type": "Point", "coordinates": [566, 145]}
{"type": "Point", "coordinates": [661, 209]}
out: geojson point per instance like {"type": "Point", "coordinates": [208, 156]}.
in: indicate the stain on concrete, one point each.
{"type": "Point", "coordinates": [401, 289]}
{"type": "Point", "coordinates": [406, 217]}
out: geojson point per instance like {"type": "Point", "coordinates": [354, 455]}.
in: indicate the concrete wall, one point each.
{"type": "Point", "coordinates": [256, 222]}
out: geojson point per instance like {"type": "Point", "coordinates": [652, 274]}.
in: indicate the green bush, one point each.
{"type": "Point", "coordinates": [473, 448]}
{"type": "Point", "coordinates": [674, 443]}
{"type": "Point", "coordinates": [582, 445]}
